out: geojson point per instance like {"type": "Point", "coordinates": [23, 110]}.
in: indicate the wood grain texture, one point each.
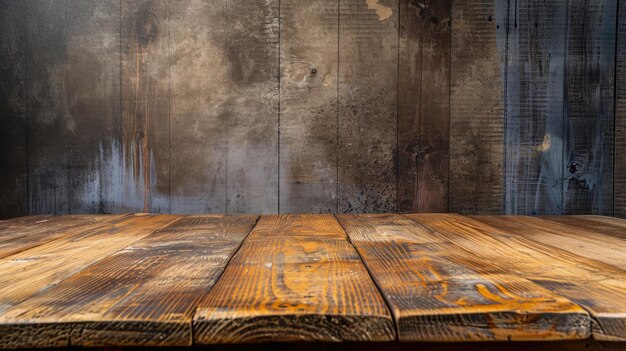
{"type": "Point", "coordinates": [368, 83]}
{"type": "Point", "coordinates": [442, 292]}
{"type": "Point", "coordinates": [605, 225]}
{"type": "Point", "coordinates": [295, 278]}
{"type": "Point", "coordinates": [434, 150]}
{"type": "Point", "coordinates": [32, 271]}
{"type": "Point", "coordinates": [534, 125]}
{"type": "Point", "coordinates": [576, 240]}
{"type": "Point", "coordinates": [145, 92]}
{"type": "Point", "coordinates": [308, 102]}
{"type": "Point", "coordinates": [410, 85]}
{"type": "Point", "coordinates": [13, 134]}
{"type": "Point", "coordinates": [37, 230]}
{"type": "Point", "coordinates": [93, 93]}
{"type": "Point", "coordinates": [143, 295]}
{"type": "Point", "coordinates": [589, 106]}
{"type": "Point", "coordinates": [477, 107]}
{"type": "Point", "coordinates": [619, 171]}
{"type": "Point", "coordinates": [47, 106]}
{"type": "Point", "coordinates": [251, 51]}
{"type": "Point", "coordinates": [597, 287]}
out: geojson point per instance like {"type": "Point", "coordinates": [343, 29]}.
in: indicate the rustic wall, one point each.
{"type": "Point", "coordinates": [195, 106]}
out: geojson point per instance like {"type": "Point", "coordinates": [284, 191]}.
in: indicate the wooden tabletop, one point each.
{"type": "Point", "coordinates": [174, 280]}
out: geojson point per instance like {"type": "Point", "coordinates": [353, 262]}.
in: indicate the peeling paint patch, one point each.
{"type": "Point", "coordinates": [382, 11]}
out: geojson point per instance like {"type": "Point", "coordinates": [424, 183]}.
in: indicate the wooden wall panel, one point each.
{"type": "Point", "coordinates": [589, 107]}
{"type": "Point", "coordinates": [534, 126]}
{"type": "Point", "coordinates": [368, 83]}
{"type": "Point", "coordinates": [251, 53]}
{"type": "Point", "coordinates": [13, 134]}
{"type": "Point", "coordinates": [620, 114]}
{"type": "Point", "coordinates": [47, 109]}
{"type": "Point", "coordinates": [477, 107]}
{"type": "Point", "coordinates": [145, 104]}
{"type": "Point", "coordinates": [308, 106]}
{"type": "Point", "coordinates": [93, 91]}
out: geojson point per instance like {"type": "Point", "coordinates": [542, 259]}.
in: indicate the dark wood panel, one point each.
{"type": "Point", "coordinates": [534, 125]}
{"type": "Point", "coordinates": [13, 134]}
{"type": "Point", "coordinates": [93, 93]}
{"type": "Point", "coordinates": [308, 103]}
{"type": "Point", "coordinates": [287, 284]}
{"type": "Point", "coordinates": [589, 107]}
{"type": "Point", "coordinates": [47, 106]}
{"type": "Point", "coordinates": [477, 106]}
{"type": "Point", "coordinates": [143, 295]}
{"type": "Point", "coordinates": [145, 65]}
{"type": "Point", "coordinates": [433, 157]}
{"type": "Point", "coordinates": [442, 292]}
{"type": "Point", "coordinates": [597, 287]}
{"type": "Point", "coordinates": [620, 115]}
{"type": "Point", "coordinates": [251, 54]}
{"type": "Point", "coordinates": [368, 83]}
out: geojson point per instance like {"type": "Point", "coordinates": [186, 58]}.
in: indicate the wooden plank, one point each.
{"type": "Point", "coordinates": [288, 284]}
{"type": "Point", "coordinates": [598, 288]}
{"type": "Point", "coordinates": [34, 270]}
{"type": "Point", "coordinates": [368, 83]}
{"type": "Point", "coordinates": [534, 123]}
{"type": "Point", "coordinates": [93, 93]}
{"type": "Point", "coordinates": [42, 229]}
{"type": "Point", "coordinates": [604, 225]}
{"type": "Point", "coordinates": [13, 134]}
{"type": "Point", "coordinates": [308, 106]}
{"type": "Point", "coordinates": [143, 295]}
{"type": "Point", "coordinates": [620, 115]}
{"type": "Point", "coordinates": [434, 150]}
{"type": "Point", "coordinates": [200, 95]}
{"type": "Point", "coordinates": [439, 292]}
{"type": "Point", "coordinates": [251, 51]}
{"type": "Point", "coordinates": [477, 107]}
{"type": "Point", "coordinates": [410, 85]}
{"type": "Point", "coordinates": [145, 65]}
{"type": "Point", "coordinates": [589, 106]}
{"type": "Point", "coordinates": [47, 109]}
{"type": "Point", "coordinates": [581, 244]}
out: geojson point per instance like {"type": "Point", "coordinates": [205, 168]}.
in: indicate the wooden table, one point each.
{"type": "Point", "coordinates": [173, 280]}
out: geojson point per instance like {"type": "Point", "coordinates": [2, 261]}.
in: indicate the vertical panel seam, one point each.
{"type": "Point", "coordinates": [337, 109]}
{"type": "Point", "coordinates": [614, 146]}
{"type": "Point", "coordinates": [279, 97]}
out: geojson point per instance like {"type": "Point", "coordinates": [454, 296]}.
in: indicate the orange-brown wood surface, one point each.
{"type": "Point", "coordinates": [176, 280]}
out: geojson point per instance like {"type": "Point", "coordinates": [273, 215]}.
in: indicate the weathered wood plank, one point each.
{"type": "Point", "coordinates": [143, 295]}
{"type": "Point", "coordinates": [434, 150]}
{"type": "Point", "coordinates": [201, 90]}
{"type": "Point", "coordinates": [251, 52]}
{"type": "Point", "coordinates": [620, 115]}
{"type": "Point", "coordinates": [47, 108]}
{"type": "Point", "coordinates": [410, 86]}
{"type": "Point", "coordinates": [441, 292]}
{"type": "Point", "coordinates": [477, 107]}
{"type": "Point", "coordinates": [43, 229]}
{"type": "Point", "coordinates": [597, 287]}
{"type": "Point", "coordinates": [13, 134]}
{"type": "Point", "coordinates": [579, 242]}
{"type": "Point", "coordinates": [308, 106]}
{"type": "Point", "coordinates": [368, 83]}
{"type": "Point", "coordinates": [604, 225]}
{"type": "Point", "coordinates": [145, 90]}
{"type": "Point", "coordinates": [534, 125]}
{"type": "Point", "coordinates": [93, 93]}
{"type": "Point", "coordinates": [287, 283]}
{"type": "Point", "coordinates": [589, 107]}
{"type": "Point", "coordinates": [32, 271]}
